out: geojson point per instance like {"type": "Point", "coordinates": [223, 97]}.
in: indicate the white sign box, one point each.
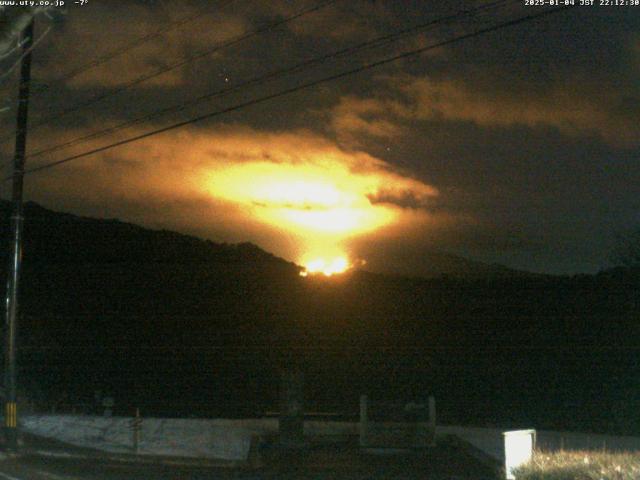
{"type": "Point", "coordinates": [518, 449]}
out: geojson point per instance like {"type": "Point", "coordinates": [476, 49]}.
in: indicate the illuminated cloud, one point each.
{"type": "Point", "coordinates": [130, 22]}
{"type": "Point", "coordinates": [563, 106]}
{"type": "Point", "coordinates": [354, 117]}
{"type": "Point", "coordinates": [508, 151]}
{"type": "Point", "coordinates": [572, 110]}
{"type": "Point", "coordinates": [295, 186]}
{"type": "Point", "coordinates": [340, 21]}
{"type": "Point", "coordinates": [304, 183]}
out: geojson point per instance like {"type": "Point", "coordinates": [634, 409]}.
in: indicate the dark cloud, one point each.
{"type": "Point", "coordinates": [403, 198]}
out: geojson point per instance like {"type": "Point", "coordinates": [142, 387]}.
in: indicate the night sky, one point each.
{"type": "Point", "coordinates": [519, 146]}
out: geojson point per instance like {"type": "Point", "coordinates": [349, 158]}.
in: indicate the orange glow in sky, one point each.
{"type": "Point", "coordinates": [322, 205]}
{"type": "Point", "coordinates": [306, 199]}
{"type": "Point", "coordinates": [313, 192]}
{"type": "Point", "coordinates": [326, 267]}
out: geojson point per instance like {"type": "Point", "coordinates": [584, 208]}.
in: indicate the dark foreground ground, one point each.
{"type": "Point", "coordinates": [44, 462]}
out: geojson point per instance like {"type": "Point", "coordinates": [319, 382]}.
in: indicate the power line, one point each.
{"type": "Point", "coordinates": [405, 368]}
{"type": "Point", "coordinates": [136, 43]}
{"type": "Point", "coordinates": [435, 348]}
{"type": "Point", "coordinates": [184, 61]}
{"type": "Point", "coordinates": [127, 47]}
{"type": "Point", "coordinates": [10, 70]}
{"type": "Point", "coordinates": [375, 43]}
{"type": "Point", "coordinates": [116, 53]}
{"type": "Point", "coordinates": [299, 87]}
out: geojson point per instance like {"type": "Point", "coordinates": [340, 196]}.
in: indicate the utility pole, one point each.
{"type": "Point", "coordinates": [17, 220]}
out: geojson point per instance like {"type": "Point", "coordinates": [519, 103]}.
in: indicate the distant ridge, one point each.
{"type": "Point", "coordinates": [181, 326]}
{"type": "Point", "coordinates": [438, 264]}
{"type": "Point", "coordinates": [57, 237]}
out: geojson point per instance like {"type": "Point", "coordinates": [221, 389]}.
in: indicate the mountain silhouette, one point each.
{"type": "Point", "coordinates": [180, 326]}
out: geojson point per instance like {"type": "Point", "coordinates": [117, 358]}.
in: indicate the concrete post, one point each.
{"type": "Point", "coordinates": [432, 420]}
{"type": "Point", "coordinates": [136, 424]}
{"type": "Point", "coordinates": [291, 421]}
{"type": "Point", "coordinates": [364, 421]}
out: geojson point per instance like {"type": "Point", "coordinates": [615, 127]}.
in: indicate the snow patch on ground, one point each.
{"type": "Point", "coordinates": [225, 439]}
{"type": "Point", "coordinates": [214, 439]}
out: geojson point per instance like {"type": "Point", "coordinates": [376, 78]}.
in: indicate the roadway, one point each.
{"type": "Point", "coordinates": [323, 463]}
